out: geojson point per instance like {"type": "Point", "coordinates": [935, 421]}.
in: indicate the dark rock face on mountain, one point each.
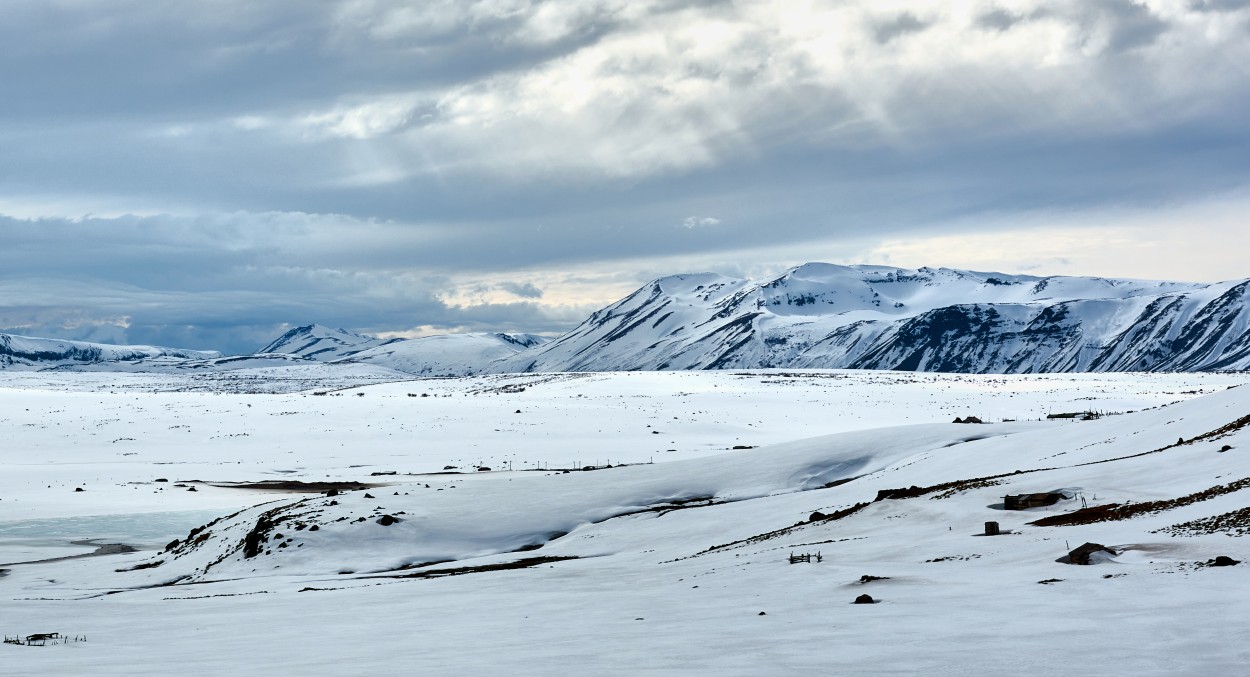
{"type": "Point", "coordinates": [876, 317]}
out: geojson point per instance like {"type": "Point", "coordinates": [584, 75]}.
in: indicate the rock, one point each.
{"type": "Point", "coordinates": [78, 489]}
{"type": "Point", "coordinates": [1225, 448]}
{"type": "Point", "coordinates": [332, 492]}
{"type": "Point", "coordinates": [1224, 561]}
{"type": "Point", "coordinates": [387, 520]}
{"type": "Point", "coordinates": [256, 537]}
{"type": "Point", "coordinates": [1082, 555]}
{"type": "Point", "coordinates": [865, 599]}
{"type": "Point", "coordinates": [816, 516]}
{"type": "Point", "coordinates": [369, 496]}
{"type": "Point", "coordinates": [762, 613]}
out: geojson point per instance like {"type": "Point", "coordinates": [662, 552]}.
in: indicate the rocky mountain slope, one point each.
{"type": "Point", "coordinates": [322, 343]}
{"type": "Point", "coordinates": [875, 317]}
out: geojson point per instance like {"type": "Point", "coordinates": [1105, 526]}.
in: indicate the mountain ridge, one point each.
{"type": "Point", "coordinates": [812, 316]}
{"type": "Point", "coordinates": [879, 317]}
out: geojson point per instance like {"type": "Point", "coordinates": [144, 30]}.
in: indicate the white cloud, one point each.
{"type": "Point", "coordinates": [367, 119]}
{"type": "Point", "coordinates": [699, 221]}
{"type": "Point", "coordinates": [668, 90]}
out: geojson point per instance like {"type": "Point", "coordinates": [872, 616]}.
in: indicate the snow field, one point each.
{"type": "Point", "coordinates": [629, 604]}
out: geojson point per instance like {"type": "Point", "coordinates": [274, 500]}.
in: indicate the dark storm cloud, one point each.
{"type": "Point", "coordinates": [385, 166]}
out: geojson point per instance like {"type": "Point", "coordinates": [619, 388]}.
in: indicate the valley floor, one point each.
{"type": "Point", "coordinates": [674, 560]}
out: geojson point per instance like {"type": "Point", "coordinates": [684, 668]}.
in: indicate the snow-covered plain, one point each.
{"type": "Point", "coordinates": [644, 589]}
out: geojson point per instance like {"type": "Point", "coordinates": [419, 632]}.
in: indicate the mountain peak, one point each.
{"type": "Point", "coordinates": [318, 342]}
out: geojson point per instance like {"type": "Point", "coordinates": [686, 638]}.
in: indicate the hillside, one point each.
{"type": "Point", "coordinates": [322, 343]}
{"type": "Point", "coordinates": [25, 352]}
{"type": "Point", "coordinates": [446, 354]}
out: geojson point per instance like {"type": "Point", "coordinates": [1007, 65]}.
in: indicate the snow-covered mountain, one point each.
{"type": "Point", "coordinates": [447, 354]}
{"type": "Point", "coordinates": [815, 316]}
{"type": "Point", "coordinates": [443, 355]}
{"type": "Point", "coordinates": [26, 352]}
{"type": "Point", "coordinates": [875, 317]}
{"type": "Point", "coordinates": [323, 343]}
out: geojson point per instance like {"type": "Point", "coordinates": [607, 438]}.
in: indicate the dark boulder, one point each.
{"type": "Point", "coordinates": [1083, 554]}
{"type": "Point", "coordinates": [865, 599]}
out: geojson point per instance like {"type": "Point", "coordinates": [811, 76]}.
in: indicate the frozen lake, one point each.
{"type": "Point", "coordinates": [33, 539]}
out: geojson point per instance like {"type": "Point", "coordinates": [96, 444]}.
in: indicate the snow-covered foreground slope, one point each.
{"type": "Point", "coordinates": [672, 567]}
{"type": "Point", "coordinates": [876, 317]}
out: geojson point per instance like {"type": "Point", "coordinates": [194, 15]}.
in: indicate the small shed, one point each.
{"type": "Point", "coordinates": [1026, 501]}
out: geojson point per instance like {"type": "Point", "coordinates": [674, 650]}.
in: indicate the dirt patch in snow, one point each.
{"type": "Point", "coordinates": [295, 486]}
{"type": "Point", "coordinates": [1235, 523]}
{"type": "Point", "coordinates": [481, 568]}
{"type": "Point", "coordinates": [1113, 512]}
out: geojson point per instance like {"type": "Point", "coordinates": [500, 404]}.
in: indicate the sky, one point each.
{"type": "Point", "coordinates": [209, 174]}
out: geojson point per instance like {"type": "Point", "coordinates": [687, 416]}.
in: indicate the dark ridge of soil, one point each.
{"type": "Point", "coordinates": [1114, 512]}
{"type": "Point", "coordinates": [679, 504]}
{"type": "Point", "coordinates": [1235, 523]}
{"type": "Point", "coordinates": [295, 486]}
{"type": "Point", "coordinates": [949, 488]}
{"type": "Point", "coordinates": [502, 566]}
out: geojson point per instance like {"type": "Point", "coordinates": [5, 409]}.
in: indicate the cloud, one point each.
{"type": "Point", "coordinates": [699, 222]}
{"type": "Point", "coordinates": [998, 19]}
{"type": "Point", "coordinates": [411, 163]}
{"type": "Point", "coordinates": [524, 290]}
{"type": "Point", "coordinates": [1218, 5]}
{"type": "Point", "coordinates": [897, 26]}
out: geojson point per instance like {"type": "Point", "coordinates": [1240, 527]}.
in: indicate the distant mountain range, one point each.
{"type": "Point", "coordinates": [24, 352]}
{"type": "Point", "coordinates": [813, 316]}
